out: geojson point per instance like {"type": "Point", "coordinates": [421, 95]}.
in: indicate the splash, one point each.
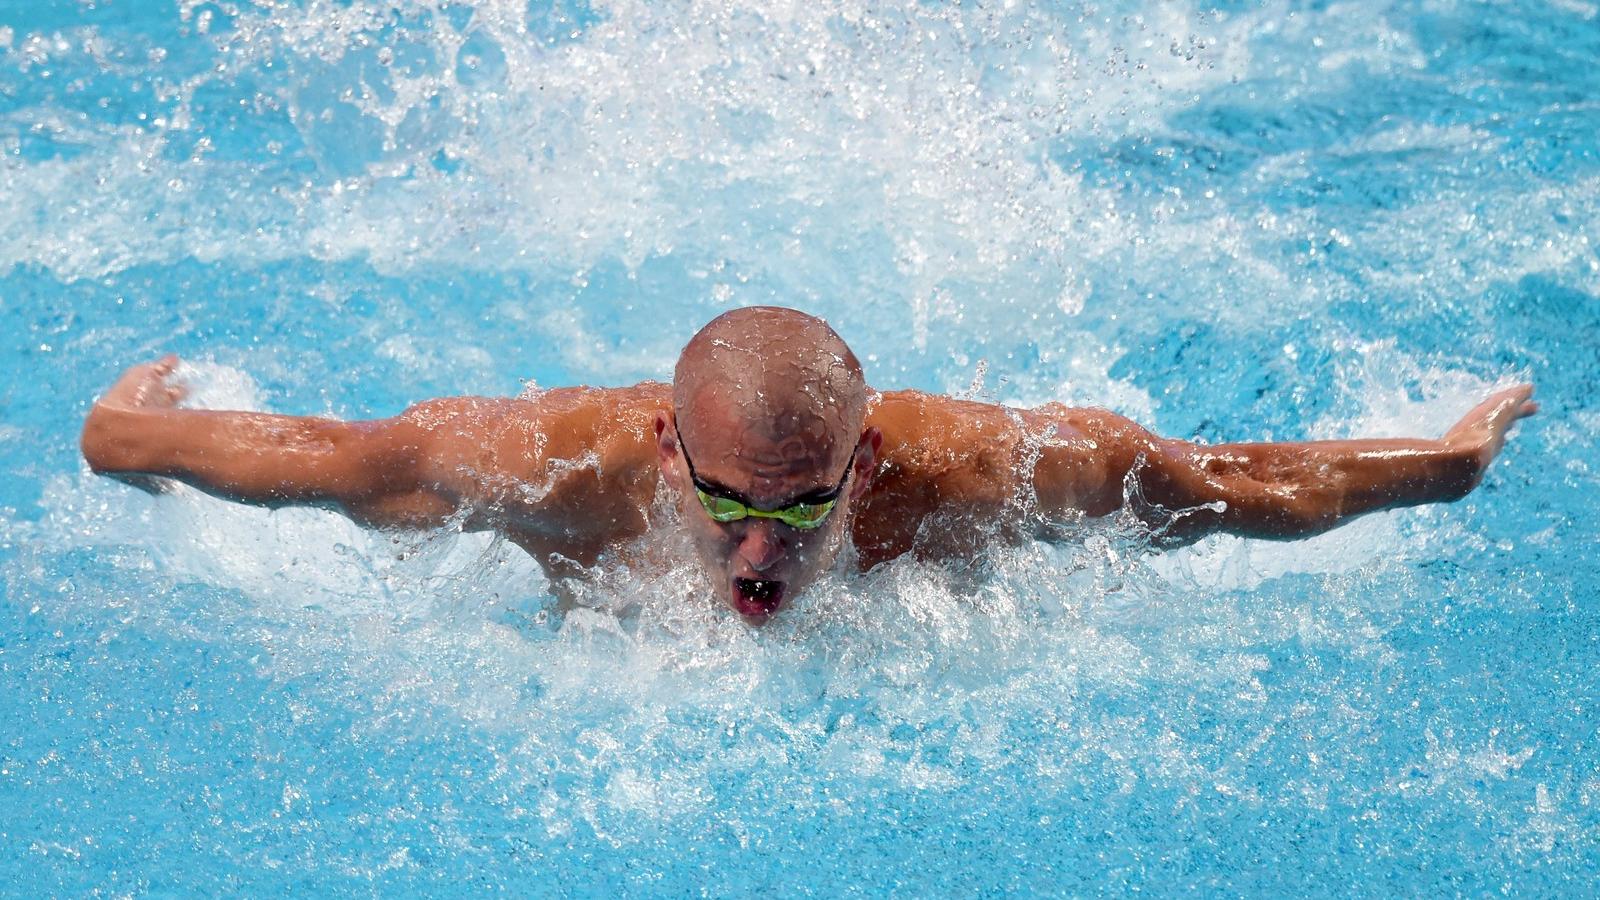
{"type": "Point", "coordinates": [640, 656]}
{"type": "Point", "coordinates": [1097, 200]}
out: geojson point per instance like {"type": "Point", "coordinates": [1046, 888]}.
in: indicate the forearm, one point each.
{"type": "Point", "coordinates": [1098, 462]}
{"type": "Point", "coordinates": [249, 457]}
{"type": "Point", "coordinates": [1292, 490]}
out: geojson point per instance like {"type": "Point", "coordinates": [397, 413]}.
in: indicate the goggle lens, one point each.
{"type": "Point", "coordinates": [801, 515]}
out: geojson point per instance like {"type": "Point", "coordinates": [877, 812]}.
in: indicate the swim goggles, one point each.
{"type": "Point", "coordinates": [724, 505]}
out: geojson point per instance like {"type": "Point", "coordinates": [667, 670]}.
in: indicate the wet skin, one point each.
{"type": "Point", "coordinates": [573, 474]}
{"type": "Point", "coordinates": [758, 562]}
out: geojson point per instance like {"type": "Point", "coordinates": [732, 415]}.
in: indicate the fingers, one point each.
{"type": "Point", "coordinates": [147, 384]}
{"type": "Point", "coordinates": [150, 371]}
{"type": "Point", "coordinates": [1487, 422]}
{"type": "Point", "coordinates": [1513, 396]}
{"type": "Point", "coordinates": [174, 391]}
{"type": "Point", "coordinates": [1529, 405]}
{"type": "Point", "coordinates": [1509, 405]}
{"type": "Point", "coordinates": [159, 388]}
{"type": "Point", "coordinates": [1519, 403]}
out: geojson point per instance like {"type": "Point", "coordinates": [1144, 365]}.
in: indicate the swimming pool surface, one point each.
{"type": "Point", "coordinates": [1276, 220]}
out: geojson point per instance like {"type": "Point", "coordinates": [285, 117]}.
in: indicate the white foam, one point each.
{"type": "Point", "coordinates": [654, 132]}
{"type": "Point", "coordinates": [769, 149]}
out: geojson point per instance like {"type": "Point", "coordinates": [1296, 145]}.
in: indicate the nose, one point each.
{"type": "Point", "coordinates": [761, 545]}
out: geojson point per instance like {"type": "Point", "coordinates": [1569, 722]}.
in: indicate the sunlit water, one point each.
{"type": "Point", "coordinates": [1245, 222]}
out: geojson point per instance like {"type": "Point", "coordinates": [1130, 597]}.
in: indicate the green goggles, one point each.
{"type": "Point", "coordinates": [806, 515]}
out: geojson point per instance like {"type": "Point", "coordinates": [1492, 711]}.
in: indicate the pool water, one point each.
{"type": "Point", "coordinates": [1243, 221]}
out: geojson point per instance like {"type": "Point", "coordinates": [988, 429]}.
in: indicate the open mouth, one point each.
{"type": "Point", "coordinates": [756, 598]}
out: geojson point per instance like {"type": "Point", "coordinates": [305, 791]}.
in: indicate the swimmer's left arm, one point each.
{"type": "Point", "coordinates": [1267, 490]}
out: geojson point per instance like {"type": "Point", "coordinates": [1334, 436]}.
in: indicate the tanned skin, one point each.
{"type": "Point", "coordinates": [573, 474]}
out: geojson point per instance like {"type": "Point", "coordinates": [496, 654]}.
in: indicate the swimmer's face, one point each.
{"type": "Point", "coordinates": [757, 564]}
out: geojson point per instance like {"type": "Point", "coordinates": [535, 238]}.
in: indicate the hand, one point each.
{"type": "Point", "coordinates": [146, 386]}
{"type": "Point", "coordinates": [1482, 431]}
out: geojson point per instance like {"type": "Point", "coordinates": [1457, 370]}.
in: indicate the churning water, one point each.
{"type": "Point", "coordinates": [1245, 221]}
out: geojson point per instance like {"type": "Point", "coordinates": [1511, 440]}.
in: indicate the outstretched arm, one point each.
{"type": "Point", "coordinates": [414, 470]}
{"type": "Point", "coordinates": [1099, 461]}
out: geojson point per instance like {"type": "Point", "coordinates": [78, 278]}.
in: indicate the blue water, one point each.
{"type": "Point", "coordinates": [1251, 221]}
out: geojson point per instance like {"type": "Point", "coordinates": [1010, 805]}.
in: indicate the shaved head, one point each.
{"type": "Point", "coordinates": [770, 406]}
{"type": "Point", "coordinates": [776, 372]}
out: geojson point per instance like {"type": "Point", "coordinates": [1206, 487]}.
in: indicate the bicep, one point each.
{"type": "Point", "coordinates": [1085, 458]}
{"type": "Point", "coordinates": [1097, 462]}
{"type": "Point", "coordinates": [434, 461]}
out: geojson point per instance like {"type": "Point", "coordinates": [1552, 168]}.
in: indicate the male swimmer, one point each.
{"type": "Point", "coordinates": [777, 454]}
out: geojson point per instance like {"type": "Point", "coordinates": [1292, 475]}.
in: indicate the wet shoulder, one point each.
{"type": "Point", "coordinates": [613, 425]}
{"type": "Point", "coordinates": [931, 435]}
{"type": "Point", "coordinates": [583, 465]}
{"type": "Point", "coordinates": [950, 470]}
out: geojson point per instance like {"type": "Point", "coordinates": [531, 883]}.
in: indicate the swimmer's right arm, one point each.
{"type": "Point", "coordinates": [414, 470]}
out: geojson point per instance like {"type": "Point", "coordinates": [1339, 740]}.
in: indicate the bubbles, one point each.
{"type": "Point", "coordinates": [966, 170]}
{"type": "Point", "coordinates": [751, 136]}
{"type": "Point", "coordinates": [648, 697]}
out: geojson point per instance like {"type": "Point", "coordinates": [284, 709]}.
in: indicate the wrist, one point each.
{"type": "Point", "coordinates": [1462, 465]}
{"type": "Point", "coordinates": [115, 438]}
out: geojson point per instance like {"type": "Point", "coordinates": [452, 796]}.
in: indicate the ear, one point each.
{"type": "Point", "coordinates": [667, 444]}
{"type": "Point", "coordinates": [866, 461]}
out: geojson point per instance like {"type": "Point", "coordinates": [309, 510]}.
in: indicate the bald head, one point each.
{"type": "Point", "coordinates": [777, 372]}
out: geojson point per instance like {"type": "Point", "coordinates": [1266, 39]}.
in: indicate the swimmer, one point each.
{"type": "Point", "coordinates": [777, 456]}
